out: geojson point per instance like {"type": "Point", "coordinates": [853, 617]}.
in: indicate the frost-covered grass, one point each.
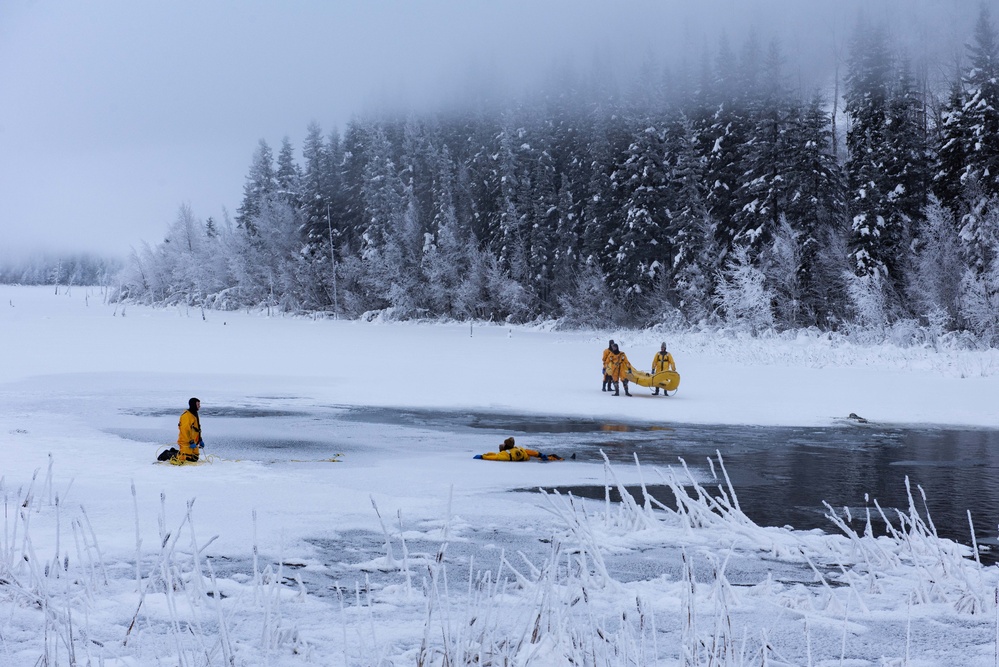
{"type": "Point", "coordinates": [72, 604]}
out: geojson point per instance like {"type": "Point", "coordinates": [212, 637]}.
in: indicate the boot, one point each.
{"type": "Point", "coordinates": [626, 391]}
{"type": "Point", "coordinates": [617, 391]}
{"type": "Point", "coordinates": [655, 392]}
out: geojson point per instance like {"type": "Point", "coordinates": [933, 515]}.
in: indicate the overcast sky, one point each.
{"type": "Point", "coordinates": [115, 112]}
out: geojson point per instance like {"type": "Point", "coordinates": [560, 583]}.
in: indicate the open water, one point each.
{"type": "Point", "coordinates": [781, 475]}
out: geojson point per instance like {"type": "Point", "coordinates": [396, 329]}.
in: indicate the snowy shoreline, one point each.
{"type": "Point", "coordinates": [726, 379]}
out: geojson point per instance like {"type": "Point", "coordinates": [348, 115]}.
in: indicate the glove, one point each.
{"type": "Point", "coordinates": [201, 444]}
{"type": "Point", "coordinates": [543, 457]}
{"type": "Point", "coordinates": [477, 456]}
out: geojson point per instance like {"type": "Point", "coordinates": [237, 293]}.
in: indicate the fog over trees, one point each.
{"type": "Point", "coordinates": [60, 269]}
{"type": "Point", "coordinates": [716, 191]}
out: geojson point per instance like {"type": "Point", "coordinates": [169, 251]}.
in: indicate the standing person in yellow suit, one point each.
{"type": "Point", "coordinates": [606, 386]}
{"type": "Point", "coordinates": [617, 366]}
{"type": "Point", "coordinates": [663, 361]}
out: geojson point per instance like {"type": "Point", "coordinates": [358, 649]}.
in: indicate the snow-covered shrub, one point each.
{"type": "Point", "coordinates": [935, 283]}
{"type": "Point", "coordinates": [980, 304]}
{"type": "Point", "coordinates": [743, 295]}
{"type": "Point", "coordinates": [591, 303]}
{"type": "Point", "coordinates": [780, 262]}
{"type": "Point", "coordinates": [869, 302]}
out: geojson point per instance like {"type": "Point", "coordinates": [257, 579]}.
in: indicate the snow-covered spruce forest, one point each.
{"type": "Point", "coordinates": [704, 194]}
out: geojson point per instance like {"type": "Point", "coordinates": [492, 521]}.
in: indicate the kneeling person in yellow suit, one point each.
{"type": "Point", "coordinates": [189, 441]}
{"type": "Point", "coordinates": [509, 451]}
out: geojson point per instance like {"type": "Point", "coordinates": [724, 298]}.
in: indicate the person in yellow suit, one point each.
{"type": "Point", "coordinates": [606, 386]}
{"type": "Point", "coordinates": [617, 366]}
{"type": "Point", "coordinates": [189, 441]}
{"type": "Point", "coordinates": [663, 361]}
{"type": "Point", "coordinates": [509, 451]}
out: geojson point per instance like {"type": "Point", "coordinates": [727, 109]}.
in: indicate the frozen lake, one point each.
{"type": "Point", "coordinates": [781, 474]}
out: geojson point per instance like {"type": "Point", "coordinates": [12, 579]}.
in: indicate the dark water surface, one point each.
{"type": "Point", "coordinates": [781, 475]}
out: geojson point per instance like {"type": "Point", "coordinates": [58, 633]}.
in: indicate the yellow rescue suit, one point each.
{"type": "Point", "coordinates": [663, 361]}
{"type": "Point", "coordinates": [189, 437]}
{"type": "Point", "coordinates": [512, 454]}
{"type": "Point", "coordinates": [617, 366]}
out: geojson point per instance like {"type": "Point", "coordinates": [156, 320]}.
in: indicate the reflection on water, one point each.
{"type": "Point", "coordinates": [781, 475]}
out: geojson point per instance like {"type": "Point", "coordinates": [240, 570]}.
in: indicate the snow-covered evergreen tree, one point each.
{"type": "Point", "coordinates": [688, 281]}
{"type": "Point", "coordinates": [446, 253]}
{"type": "Point", "coordinates": [350, 218]}
{"type": "Point", "coordinates": [980, 119]}
{"type": "Point", "coordinates": [599, 199]}
{"type": "Point", "coordinates": [980, 114]}
{"type": "Point", "coordinates": [261, 184]}
{"type": "Point", "coordinates": [385, 205]}
{"type": "Point", "coordinates": [566, 259]}
{"type": "Point", "coordinates": [542, 242]}
{"type": "Point", "coordinates": [878, 231]}
{"type": "Point", "coordinates": [638, 250]}
{"type": "Point", "coordinates": [288, 176]}
{"type": "Point", "coordinates": [908, 164]}
{"type": "Point", "coordinates": [762, 197]}
{"type": "Point", "coordinates": [724, 128]}
{"type": "Point", "coordinates": [816, 210]}
{"type": "Point", "coordinates": [953, 143]}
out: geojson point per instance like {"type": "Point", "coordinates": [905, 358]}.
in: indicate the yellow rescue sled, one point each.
{"type": "Point", "coordinates": [665, 380]}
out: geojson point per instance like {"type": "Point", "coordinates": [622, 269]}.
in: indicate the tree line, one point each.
{"type": "Point", "coordinates": [60, 269]}
{"type": "Point", "coordinates": [703, 196]}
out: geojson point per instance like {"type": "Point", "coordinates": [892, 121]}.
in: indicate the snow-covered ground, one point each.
{"type": "Point", "coordinates": [407, 550]}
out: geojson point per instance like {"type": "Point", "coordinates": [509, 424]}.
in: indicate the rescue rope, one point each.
{"type": "Point", "coordinates": [212, 458]}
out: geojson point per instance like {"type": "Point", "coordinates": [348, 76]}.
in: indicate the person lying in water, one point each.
{"type": "Point", "coordinates": [509, 451]}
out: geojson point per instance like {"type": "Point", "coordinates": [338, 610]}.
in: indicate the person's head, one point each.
{"type": "Point", "coordinates": [507, 444]}
{"type": "Point", "coordinates": [663, 346]}
{"type": "Point", "coordinates": [615, 348]}
{"type": "Point", "coordinates": [194, 404]}
{"type": "Point", "coordinates": [610, 343]}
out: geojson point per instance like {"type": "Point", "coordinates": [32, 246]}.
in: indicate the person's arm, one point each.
{"type": "Point", "coordinates": [186, 437]}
